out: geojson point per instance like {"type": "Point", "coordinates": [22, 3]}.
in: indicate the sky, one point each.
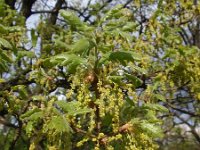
{"type": "Point", "coordinates": [33, 20]}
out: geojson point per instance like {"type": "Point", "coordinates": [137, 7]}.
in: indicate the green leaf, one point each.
{"type": "Point", "coordinates": [129, 101]}
{"type": "Point", "coordinates": [71, 68]}
{"type": "Point", "coordinates": [3, 65]}
{"type": "Point", "coordinates": [135, 121]}
{"type": "Point", "coordinates": [120, 56]}
{"type": "Point", "coordinates": [107, 120]}
{"type": "Point", "coordinates": [73, 20]}
{"type": "Point", "coordinates": [22, 89]}
{"type": "Point", "coordinates": [61, 44]}
{"type": "Point", "coordinates": [150, 115]}
{"type": "Point", "coordinates": [14, 29]}
{"type": "Point", "coordinates": [116, 79]}
{"type": "Point", "coordinates": [152, 129]}
{"type": "Point", "coordinates": [160, 97]}
{"type": "Point", "coordinates": [36, 116]}
{"type": "Point", "coordinates": [130, 26]}
{"type": "Point", "coordinates": [139, 69]}
{"type": "Point", "coordinates": [34, 38]}
{"type": "Point", "coordinates": [57, 124]}
{"type": "Point", "coordinates": [126, 36]}
{"type": "Point", "coordinates": [29, 113]}
{"type": "Point", "coordinates": [28, 54]}
{"type": "Point", "coordinates": [135, 80]}
{"type": "Point", "coordinates": [68, 106]}
{"type": "Point", "coordinates": [72, 61]}
{"type": "Point", "coordinates": [81, 46]}
{"type": "Point", "coordinates": [80, 111]}
{"type": "Point", "coordinates": [72, 108]}
{"type": "Point", "coordinates": [156, 107]}
{"type": "Point", "coordinates": [4, 56]}
{"type": "Point", "coordinates": [4, 43]}
{"type": "Point", "coordinates": [29, 127]}
{"type": "Point", "coordinates": [3, 29]}
{"type": "Point", "coordinates": [113, 13]}
{"type": "Point", "coordinates": [65, 59]}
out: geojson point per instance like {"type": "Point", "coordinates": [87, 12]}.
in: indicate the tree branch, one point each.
{"type": "Point", "coordinates": [193, 131]}
{"type": "Point", "coordinates": [18, 80]}
{"type": "Point", "coordinates": [102, 7]}
{"type": "Point", "coordinates": [184, 33]}
{"type": "Point", "coordinates": [6, 123]}
{"type": "Point", "coordinates": [127, 3]}
{"type": "Point", "coordinates": [55, 11]}
{"type": "Point", "coordinates": [26, 7]}
{"type": "Point", "coordinates": [17, 135]}
{"type": "Point", "coordinates": [183, 111]}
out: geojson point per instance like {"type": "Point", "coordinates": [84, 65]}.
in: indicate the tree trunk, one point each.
{"type": "Point", "coordinates": [26, 7]}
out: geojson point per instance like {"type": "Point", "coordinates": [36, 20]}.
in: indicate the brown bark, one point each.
{"type": "Point", "coordinates": [54, 15]}
{"type": "Point", "coordinates": [197, 33]}
{"type": "Point", "coordinates": [26, 7]}
{"type": "Point", "coordinates": [11, 3]}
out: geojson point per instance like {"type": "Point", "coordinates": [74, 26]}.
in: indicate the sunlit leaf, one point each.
{"type": "Point", "coordinates": [29, 54]}
{"type": "Point", "coordinates": [57, 124]}
{"type": "Point", "coordinates": [5, 44]}
{"type": "Point", "coordinates": [5, 56]}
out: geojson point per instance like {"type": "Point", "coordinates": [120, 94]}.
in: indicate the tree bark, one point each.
{"type": "Point", "coordinates": [54, 15]}
{"type": "Point", "coordinates": [197, 32]}
{"type": "Point", "coordinates": [26, 7]}
{"type": "Point", "coordinates": [11, 3]}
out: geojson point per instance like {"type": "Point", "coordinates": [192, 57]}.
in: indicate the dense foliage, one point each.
{"type": "Point", "coordinates": [110, 84]}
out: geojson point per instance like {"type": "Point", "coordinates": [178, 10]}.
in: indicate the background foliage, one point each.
{"type": "Point", "coordinates": [104, 75]}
